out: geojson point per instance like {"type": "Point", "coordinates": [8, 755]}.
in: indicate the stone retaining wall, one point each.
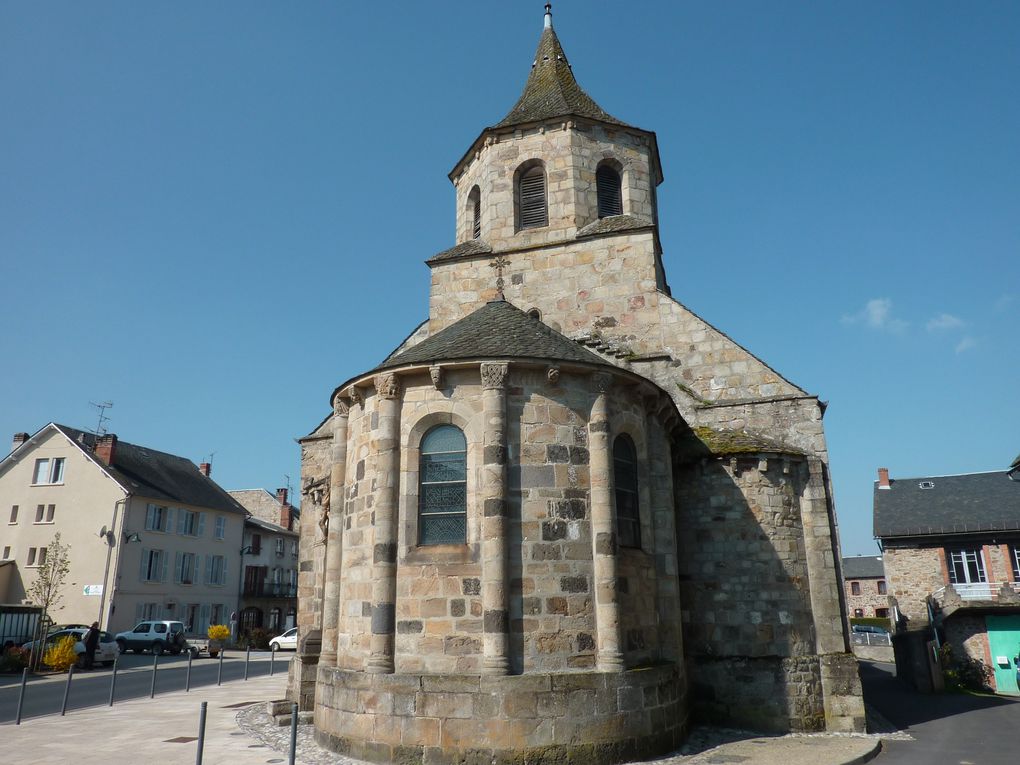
{"type": "Point", "coordinates": [601, 718]}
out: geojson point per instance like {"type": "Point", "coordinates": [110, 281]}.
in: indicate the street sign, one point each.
{"type": "Point", "coordinates": [92, 589]}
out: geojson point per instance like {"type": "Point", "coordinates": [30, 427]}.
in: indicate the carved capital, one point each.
{"type": "Point", "coordinates": [356, 396]}
{"type": "Point", "coordinates": [553, 375]}
{"type": "Point", "coordinates": [436, 373]}
{"type": "Point", "coordinates": [602, 382]}
{"type": "Point", "coordinates": [341, 406]}
{"type": "Point", "coordinates": [387, 385]}
{"type": "Point", "coordinates": [494, 375]}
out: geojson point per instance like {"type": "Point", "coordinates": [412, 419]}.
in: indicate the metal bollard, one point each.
{"type": "Point", "coordinates": [293, 732]}
{"type": "Point", "coordinates": [247, 658]}
{"type": "Point", "coordinates": [155, 663]}
{"type": "Point", "coordinates": [201, 733]}
{"type": "Point", "coordinates": [272, 658]}
{"type": "Point", "coordinates": [21, 695]}
{"type": "Point", "coordinates": [113, 680]}
{"type": "Point", "coordinates": [187, 677]}
{"type": "Point", "coordinates": [67, 690]}
{"type": "Point", "coordinates": [219, 672]}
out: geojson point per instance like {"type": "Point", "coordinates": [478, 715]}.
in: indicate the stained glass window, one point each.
{"type": "Point", "coordinates": [442, 495]}
{"type": "Point", "coordinates": [625, 484]}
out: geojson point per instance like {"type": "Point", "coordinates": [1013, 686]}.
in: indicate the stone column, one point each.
{"type": "Point", "coordinates": [334, 537]}
{"type": "Point", "coordinates": [494, 520]}
{"type": "Point", "coordinates": [603, 531]}
{"type": "Point", "coordinates": [386, 447]}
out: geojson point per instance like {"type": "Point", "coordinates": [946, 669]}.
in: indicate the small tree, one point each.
{"type": "Point", "coordinates": [47, 589]}
{"type": "Point", "coordinates": [61, 655]}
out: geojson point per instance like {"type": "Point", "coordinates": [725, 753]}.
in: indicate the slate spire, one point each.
{"type": "Point", "coordinates": [551, 90]}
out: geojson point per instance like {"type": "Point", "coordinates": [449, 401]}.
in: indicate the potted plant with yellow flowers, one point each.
{"type": "Point", "coordinates": [217, 634]}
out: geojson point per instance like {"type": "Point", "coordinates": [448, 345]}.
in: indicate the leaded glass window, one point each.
{"type": "Point", "coordinates": [442, 492]}
{"type": "Point", "coordinates": [625, 485]}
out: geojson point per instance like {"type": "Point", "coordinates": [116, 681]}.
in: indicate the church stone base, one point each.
{"type": "Point", "coordinates": [594, 717]}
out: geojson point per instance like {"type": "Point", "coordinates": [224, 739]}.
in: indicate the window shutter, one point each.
{"type": "Point", "coordinates": [164, 560]}
{"type": "Point", "coordinates": [203, 618]}
{"type": "Point", "coordinates": [170, 520]}
{"type": "Point", "coordinates": [138, 612]}
{"type": "Point", "coordinates": [532, 199]}
{"type": "Point", "coordinates": [150, 517]}
{"type": "Point", "coordinates": [607, 182]}
{"type": "Point", "coordinates": [223, 571]}
{"type": "Point", "coordinates": [178, 568]}
{"type": "Point", "coordinates": [196, 570]}
{"type": "Point", "coordinates": [201, 524]}
{"type": "Point", "coordinates": [142, 568]}
{"type": "Point", "coordinates": [182, 519]}
{"type": "Point", "coordinates": [209, 569]}
{"type": "Point", "coordinates": [476, 228]}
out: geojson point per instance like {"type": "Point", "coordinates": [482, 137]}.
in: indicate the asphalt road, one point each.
{"type": "Point", "coordinates": [44, 694]}
{"type": "Point", "coordinates": [948, 728]}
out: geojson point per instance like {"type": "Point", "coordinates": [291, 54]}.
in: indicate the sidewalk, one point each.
{"type": "Point", "coordinates": [162, 730]}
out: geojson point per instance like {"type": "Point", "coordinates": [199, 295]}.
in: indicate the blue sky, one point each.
{"type": "Point", "coordinates": [212, 213]}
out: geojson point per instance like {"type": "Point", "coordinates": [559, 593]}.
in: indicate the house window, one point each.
{"type": "Point", "coordinates": [280, 545]}
{"type": "Point", "coordinates": [41, 560]}
{"type": "Point", "coordinates": [215, 572]}
{"type": "Point", "coordinates": [217, 614]}
{"type": "Point", "coordinates": [625, 490]}
{"type": "Point", "coordinates": [149, 611]}
{"type": "Point", "coordinates": [190, 523]}
{"type": "Point", "coordinates": [293, 548]}
{"type": "Point", "coordinates": [153, 567]}
{"type": "Point", "coordinates": [221, 527]}
{"type": "Point", "coordinates": [966, 566]}
{"type": "Point", "coordinates": [40, 511]}
{"type": "Point", "coordinates": [855, 588]}
{"type": "Point", "coordinates": [858, 613]}
{"type": "Point", "coordinates": [14, 514]}
{"type": "Point", "coordinates": [184, 570]}
{"type": "Point", "coordinates": [158, 518]}
{"type": "Point", "coordinates": [31, 556]}
{"type": "Point", "coordinates": [48, 471]}
{"type": "Point", "coordinates": [45, 513]}
{"type": "Point", "coordinates": [475, 208]}
{"type": "Point", "coordinates": [532, 210]}
{"type": "Point", "coordinates": [1016, 562]}
{"type": "Point", "coordinates": [7, 553]}
{"type": "Point", "coordinates": [256, 544]}
{"type": "Point", "coordinates": [882, 613]}
{"type": "Point", "coordinates": [610, 193]}
{"type": "Point", "coordinates": [881, 587]}
{"type": "Point", "coordinates": [293, 577]}
{"type": "Point", "coordinates": [442, 491]}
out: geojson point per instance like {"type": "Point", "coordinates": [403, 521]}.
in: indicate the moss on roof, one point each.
{"type": "Point", "coordinates": [723, 442]}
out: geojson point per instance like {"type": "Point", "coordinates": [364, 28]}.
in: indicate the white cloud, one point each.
{"type": "Point", "coordinates": [1004, 302]}
{"type": "Point", "coordinates": [877, 314]}
{"type": "Point", "coordinates": [944, 321]}
{"type": "Point", "coordinates": [965, 344]}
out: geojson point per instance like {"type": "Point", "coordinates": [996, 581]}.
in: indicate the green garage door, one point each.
{"type": "Point", "coordinates": [1004, 645]}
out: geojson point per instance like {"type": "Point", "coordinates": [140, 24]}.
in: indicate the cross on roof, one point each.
{"type": "Point", "coordinates": [499, 263]}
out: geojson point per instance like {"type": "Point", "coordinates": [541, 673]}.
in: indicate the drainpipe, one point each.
{"type": "Point", "coordinates": [111, 539]}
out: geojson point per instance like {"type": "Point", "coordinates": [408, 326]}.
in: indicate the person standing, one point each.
{"type": "Point", "coordinates": [91, 640]}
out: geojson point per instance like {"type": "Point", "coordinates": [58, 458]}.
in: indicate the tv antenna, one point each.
{"type": "Point", "coordinates": [290, 488]}
{"type": "Point", "coordinates": [101, 407]}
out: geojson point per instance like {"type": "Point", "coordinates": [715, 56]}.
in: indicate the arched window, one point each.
{"type": "Point", "coordinates": [442, 488]}
{"type": "Point", "coordinates": [625, 486]}
{"type": "Point", "coordinates": [607, 183]}
{"type": "Point", "coordinates": [532, 211]}
{"type": "Point", "coordinates": [475, 210]}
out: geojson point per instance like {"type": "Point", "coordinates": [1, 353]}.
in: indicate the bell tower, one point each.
{"type": "Point", "coordinates": [555, 173]}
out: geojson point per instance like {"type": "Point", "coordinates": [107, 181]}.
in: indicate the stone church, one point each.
{"type": "Point", "coordinates": [567, 516]}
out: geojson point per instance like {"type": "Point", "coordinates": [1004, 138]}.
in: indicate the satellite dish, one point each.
{"type": "Point", "coordinates": [102, 532]}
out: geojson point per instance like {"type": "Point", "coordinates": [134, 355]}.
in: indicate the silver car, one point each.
{"type": "Point", "coordinates": [106, 651]}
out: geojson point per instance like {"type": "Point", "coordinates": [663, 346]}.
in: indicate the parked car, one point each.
{"type": "Point", "coordinates": [873, 629]}
{"type": "Point", "coordinates": [155, 636]}
{"type": "Point", "coordinates": [106, 651]}
{"type": "Point", "coordinates": [285, 642]}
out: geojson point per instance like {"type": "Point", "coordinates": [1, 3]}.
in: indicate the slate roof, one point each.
{"type": "Point", "coordinates": [158, 475]}
{"type": "Point", "coordinates": [267, 526]}
{"type": "Point", "coordinates": [496, 330]}
{"type": "Point", "coordinates": [956, 504]}
{"type": "Point", "coordinates": [614, 223]}
{"type": "Point", "coordinates": [462, 250]}
{"type": "Point", "coordinates": [722, 441]}
{"type": "Point", "coordinates": [863, 567]}
{"type": "Point", "coordinates": [551, 90]}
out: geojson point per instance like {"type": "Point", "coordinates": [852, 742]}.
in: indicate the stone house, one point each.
{"type": "Point", "coordinates": [951, 551]}
{"type": "Point", "coordinates": [170, 535]}
{"type": "Point", "coordinates": [566, 514]}
{"type": "Point", "coordinates": [864, 587]}
{"type": "Point", "coordinates": [269, 565]}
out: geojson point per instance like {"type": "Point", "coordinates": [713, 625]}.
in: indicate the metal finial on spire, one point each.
{"type": "Point", "coordinates": [499, 263]}
{"type": "Point", "coordinates": [548, 15]}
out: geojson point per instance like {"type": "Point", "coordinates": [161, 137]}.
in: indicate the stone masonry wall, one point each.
{"type": "Point", "coordinates": [912, 574]}
{"type": "Point", "coordinates": [869, 599]}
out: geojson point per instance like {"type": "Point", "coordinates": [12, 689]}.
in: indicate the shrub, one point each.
{"type": "Point", "coordinates": [218, 632]}
{"type": "Point", "coordinates": [61, 655]}
{"type": "Point", "coordinates": [259, 637]}
{"type": "Point", "coordinates": [14, 659]}
{"type": "Point", "coordinates": [963, 672]}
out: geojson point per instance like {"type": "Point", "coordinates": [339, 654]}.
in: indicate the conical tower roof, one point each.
{"type": "Point", "coordinates": [551, 90]}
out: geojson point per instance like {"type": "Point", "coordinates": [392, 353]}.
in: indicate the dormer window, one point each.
{"type": "Point", "coordinates": [532, 208]}
{"type": "Point", "coordinates": [475, 210]}
{"type": "Point", "coordinates": [610, 191]}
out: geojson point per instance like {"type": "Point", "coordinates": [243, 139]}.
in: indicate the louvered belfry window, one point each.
{"type": "Point", "coordinates": [531, 198]}
{"type": "Point", "coordinates": [607, 182]}
{"type": "Point", "coordinates": [475, 203]}
{"type": "Point", "coordinates": [442, 490]}
{"type": "Point", "coordinates": [625, 485]}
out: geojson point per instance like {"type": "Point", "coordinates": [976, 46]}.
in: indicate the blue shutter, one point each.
{"type": "Point", "coordinates": [150, 517]}
{"type": "Point", "coordinates": [169, 521]}
{"type": "Point", "coordinates": [182, 518]}
{"type": "Point", "coordinates": [141, 568]}
{"type": "Point", "coordinates": [201, 524]}
{"type": "Point", "coordinates": [164, 559]}
{"type": "Point", "coordinates": [196, 570]}
{"type": "Point", "coordinates": [178, 568]}
{"type": "Point", "coordinates": [223, 576]}
{"type": "Point", "coordinates": [209, 569]}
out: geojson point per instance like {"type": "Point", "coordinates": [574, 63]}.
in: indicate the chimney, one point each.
{"type": "Point", "coordinates": [19, 439]}
{"type": "Point", "coordinates": [205, 468]}
{"type": "Point", "coordinates": [106, 448]}
{"type": "Point", "coordinates": [286, 520]}
{"type": "Point", "coordinates": [281, 496]}
{"type": "Point", "coordinates": [883, 478]}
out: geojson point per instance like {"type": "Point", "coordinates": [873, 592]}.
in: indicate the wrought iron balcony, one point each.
{"type": "Point", "coordinates": [269, 590]}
